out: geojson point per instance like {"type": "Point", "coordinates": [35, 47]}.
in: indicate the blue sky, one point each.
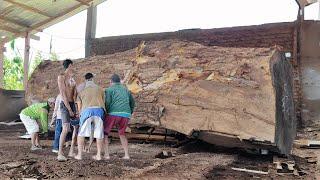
{"type": "Point", "coordinates": [121, 17]}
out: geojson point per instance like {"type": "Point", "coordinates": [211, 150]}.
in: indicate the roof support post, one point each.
{"type": "Point", "coordinates": [319, 11]}
{"type": "Point", "coordinates": [302, 13]}
{"type": "Point", "coordinates": [90, 28]}
{"type": "Point", "coordinates": [302, 4]}
{"type": "Point", "coordinates": [1, 63]}
{"type": "Point", "coordinates": [26, 60]}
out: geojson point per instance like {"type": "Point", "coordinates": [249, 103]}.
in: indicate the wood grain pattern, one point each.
{"type": "Point", "coordinates": [188, 87]}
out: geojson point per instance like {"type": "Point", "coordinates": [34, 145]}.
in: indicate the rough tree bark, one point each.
{"type": "Point", "coordinates": [242, 93]}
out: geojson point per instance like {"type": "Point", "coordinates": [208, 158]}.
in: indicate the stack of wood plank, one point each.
{"type": "Point", "coordinates": [243, 94]}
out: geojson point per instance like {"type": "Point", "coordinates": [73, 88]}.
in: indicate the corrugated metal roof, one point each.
{"type": "Point", "coordinates": [20, 16]}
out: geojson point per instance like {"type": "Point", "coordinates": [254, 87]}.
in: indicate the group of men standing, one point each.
{"type": "Point", "coordinates": [87, 109]}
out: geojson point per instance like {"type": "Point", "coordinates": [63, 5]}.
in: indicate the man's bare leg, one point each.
{"type": "Point", "coordinates": [67, 144]}
{"type": "Point", "coordinates": [35, 145]}
{"type": "Point", "coordinates": [90, 143]}
{"type": "Point", "coordinates": [33, 139]}
{"type": "Point", "coordinates": [80, 148]}
{"type": "Point", "coordinates": [106, 147]}
{"type": "Point", "coordinates": [37, 141]}
{"type": "Point", "coordinates": [63, 136]}
{"type": "Point", "coordinates": [84, 147]}
{"type": "Point", "coordinates": [99, 148]}
{"type": "Point", "coordinates": [73, 141]}
{"type": "Point", "coordinates": [124, 143]}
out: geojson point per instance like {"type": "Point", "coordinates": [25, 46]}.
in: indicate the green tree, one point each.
{"type": "Point", "coordinates": [39, 58]}
{"type": "Point", "coordinates": [54, 56]}
{"type": "Point", "coordinates": [13, 73]}
{"type": "Point", "coordinates": [13, 68]}
{"type": "Point", "coordinates": [35, 62]}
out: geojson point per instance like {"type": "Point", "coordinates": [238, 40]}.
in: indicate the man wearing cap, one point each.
{"type": "Point", "coordinates": [120, 105]}
{"type": "Point", "coordinates": [34, 115]}
{"type": "Point", "coordinates": [92, 109]}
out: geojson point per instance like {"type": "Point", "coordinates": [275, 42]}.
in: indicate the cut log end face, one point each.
{"type": "Point", "coordinates": [285, 115]}
{"type": "Point", "coordinates": [185, 86]}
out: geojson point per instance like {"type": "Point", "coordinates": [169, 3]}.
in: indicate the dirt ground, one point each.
{"type": "Point", "coordinates": [195, 160]}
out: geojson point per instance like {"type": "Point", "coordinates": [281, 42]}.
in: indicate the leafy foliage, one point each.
{"type": "Point", "coordinates": [54, 56]}
{"type": "Point", "coordinates": [13, 73]}
{"type": "Point", "coordinates": [13, 68]}
{"type": "Point", "coordinates": [36, 61]}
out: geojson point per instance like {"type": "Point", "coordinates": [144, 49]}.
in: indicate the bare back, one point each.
{"type": "Point", "coordinates": [67, 86]}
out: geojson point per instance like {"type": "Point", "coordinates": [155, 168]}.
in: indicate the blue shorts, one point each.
{"type": "Point", "coordinates": [89, 112]}
{"type": "Point", "coordinates": [74, 122]}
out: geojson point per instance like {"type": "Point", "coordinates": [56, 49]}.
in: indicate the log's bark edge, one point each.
{"type": "Point", "coordinates": [282, 74]}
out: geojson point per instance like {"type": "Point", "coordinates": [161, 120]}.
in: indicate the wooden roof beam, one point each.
{"type": "Point", "coordinates": [29, 8]}
{"type": "Point", "coordinates": [13, 22]}
{"type": "Point", "coordinates": [9, 29]}
{"type": "Point", "coordinates": [83, 2]}
{"type": "Point", "coordinates": [7, 10]}
{"type": "Point", "coordinates": [37, 26]}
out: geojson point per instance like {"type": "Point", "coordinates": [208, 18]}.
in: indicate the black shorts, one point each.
{"type": "Point", "coordinates": [65, 116]}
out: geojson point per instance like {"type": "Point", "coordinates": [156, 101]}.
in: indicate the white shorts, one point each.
{"type": "Point", "coordinates": [30, 124]}
{"type": "Point", "coordinates": [85, 129]}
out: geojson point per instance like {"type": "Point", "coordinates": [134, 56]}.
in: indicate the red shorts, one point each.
{"type": "Point", "coordinates": [120, 122]}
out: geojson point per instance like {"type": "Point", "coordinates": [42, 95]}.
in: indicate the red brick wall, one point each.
{"type": "Point", "coordinates": [247, 36]}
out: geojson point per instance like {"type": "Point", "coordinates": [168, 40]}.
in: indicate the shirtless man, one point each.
{"type": "Point", "coordinates": [67, 89]}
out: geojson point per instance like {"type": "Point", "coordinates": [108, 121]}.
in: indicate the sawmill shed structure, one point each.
{"type": "Point", "coordinates": [300, 41]}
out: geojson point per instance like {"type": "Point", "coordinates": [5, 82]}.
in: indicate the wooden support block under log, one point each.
{"type": "Point", "coordinates": [145, 137]}
{"type": "Point", "coordinates": [284, 165]}
{"type": "Point", "coordinates": [306, 143]}
{"type": "Point", "coordinates": [242, 94]}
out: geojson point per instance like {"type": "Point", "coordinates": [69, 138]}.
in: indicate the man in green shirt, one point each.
{"type": "Point", "coordinates": [32, 117]}
{"type": "Point", "coordinates": [120, 105]}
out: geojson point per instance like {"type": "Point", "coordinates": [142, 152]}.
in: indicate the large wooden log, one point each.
{"type": "Point", "coordinates": [245, 93]}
